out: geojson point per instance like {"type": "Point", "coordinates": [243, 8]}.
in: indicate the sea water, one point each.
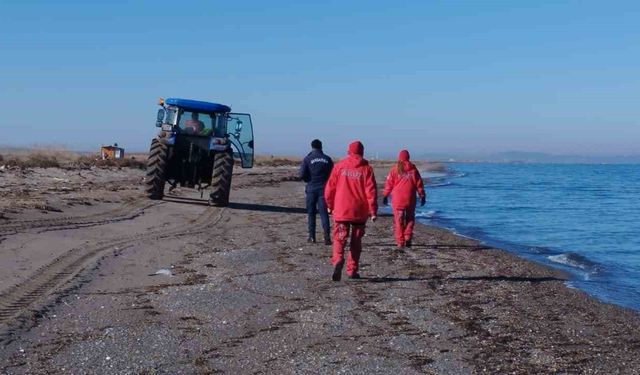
{"type": "Point", "coordinates": [582, 218]}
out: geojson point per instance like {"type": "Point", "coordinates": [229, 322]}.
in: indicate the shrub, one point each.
{"type": "Point", "coordinates": [39, 160]}
{"type": "Point", "coordinates": [67, 160]}
{"type": "Point", "coordinates": [274, 161]}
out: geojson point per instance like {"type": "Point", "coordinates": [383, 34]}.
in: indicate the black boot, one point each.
{"type": "Point", "coordinates": [327, 239]}
{"type": "Point", "coordinates": [408, 243]}
{"type": "Point", "coordinates": [311, 240]}
{"type": "Point", "coordinates": [337, 271]}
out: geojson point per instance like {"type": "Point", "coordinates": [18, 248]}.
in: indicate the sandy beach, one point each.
{"type": "Point", "coordinates": [95, 278]}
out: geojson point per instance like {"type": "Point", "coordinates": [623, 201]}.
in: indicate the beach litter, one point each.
{"type": "Point", "coordinates": [162, 271]}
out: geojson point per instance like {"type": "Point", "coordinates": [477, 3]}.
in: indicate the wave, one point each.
{"type": "Point", "coordinates": [439, 184]}
{"type": "Point", "coordinates": [443, 176]}
{"type": "Point", "coordinates": [426, 214]}
{"type": "Point", "coordinates": [427, 174]}
{"type": "Point", "coordinates": [457, 174]}
{"type": "Point", "coordinates": [441, 179]}
{"type": "Point", "coordinates": [574, 260]}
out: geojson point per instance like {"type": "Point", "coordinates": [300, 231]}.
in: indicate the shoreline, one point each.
{"type": "Point", "coordinates": [573, 273]}
{"type": "Point", "coordinates": [248, 294]}
{"type": "Point", "coordinates": [567, 274]}
{"type": "Point", "coordinates": [584, 258]}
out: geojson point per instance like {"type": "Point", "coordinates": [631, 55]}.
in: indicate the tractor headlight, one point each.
{"type": "Point", "coordinates": [167, 127]}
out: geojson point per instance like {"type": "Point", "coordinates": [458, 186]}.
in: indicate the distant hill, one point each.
{"type": "Point", "coordinates": [530, 157]}
{"type": "Point", "coordinates": [537, 157]}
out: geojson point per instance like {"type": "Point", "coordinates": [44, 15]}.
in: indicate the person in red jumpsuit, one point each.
{"type": "Point", "coordinates": [351, 196]}
{"type": "Point", "coordinates": [403, 183]}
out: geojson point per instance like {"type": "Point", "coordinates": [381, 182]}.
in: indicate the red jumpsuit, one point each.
{"type": "Point", "coordinates": [351, 196]}
{"type": "Point", "coordinates": [403, 182]}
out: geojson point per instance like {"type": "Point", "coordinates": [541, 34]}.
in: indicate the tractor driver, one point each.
{"type": "Point", "coordinates": [193, 125]}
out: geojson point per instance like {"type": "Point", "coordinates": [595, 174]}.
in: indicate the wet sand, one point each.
{"type": "Point", "coordinates": [247, 294]}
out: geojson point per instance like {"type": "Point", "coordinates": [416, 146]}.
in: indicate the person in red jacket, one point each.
{"type": "Point", "coordinates": [351, 196]}
{"type": "Point", "coordinates": [403, 182]}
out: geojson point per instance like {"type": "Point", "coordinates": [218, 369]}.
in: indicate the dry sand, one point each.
{"type": "Point", "coordinates": [247, 294]}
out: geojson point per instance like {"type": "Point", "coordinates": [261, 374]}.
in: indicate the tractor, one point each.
{"type": "Point", "coordinates": [196, 148]}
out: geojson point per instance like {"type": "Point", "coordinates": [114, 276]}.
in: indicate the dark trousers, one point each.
{"type": "Point", "coordinates": [316, 204]}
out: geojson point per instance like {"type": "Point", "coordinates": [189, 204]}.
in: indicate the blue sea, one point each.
{"type": "Point", "coordinates": [582, 218]}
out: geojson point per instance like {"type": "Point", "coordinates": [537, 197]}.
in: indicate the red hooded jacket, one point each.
{"type": "Point", "coordinates": [351, 190]}
{"type": "Point", "coordinates": [404, 185]}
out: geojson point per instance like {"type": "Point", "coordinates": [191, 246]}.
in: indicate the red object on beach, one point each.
{"type": "Point", "coordinates": [403, 183]}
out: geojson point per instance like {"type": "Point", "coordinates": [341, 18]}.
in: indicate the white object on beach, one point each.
{"type": "Point", "coordinates": [162, 271]}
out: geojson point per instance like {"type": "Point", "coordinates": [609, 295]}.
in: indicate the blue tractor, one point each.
{"type": "Point", "coordinates": [196, 147]}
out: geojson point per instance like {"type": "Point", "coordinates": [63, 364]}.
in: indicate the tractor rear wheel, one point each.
{"type": "Point", "coordinates": [156, 166]}
{"type": "Point", "coordinates": [221, 178]}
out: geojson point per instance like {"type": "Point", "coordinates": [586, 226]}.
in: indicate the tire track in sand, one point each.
{"type": "Point", "coordinates": [127, 211]}
{"type": "Point", "coordinates": [65, 267]}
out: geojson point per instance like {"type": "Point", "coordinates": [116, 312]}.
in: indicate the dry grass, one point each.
{"type": "Point", "coordinates": [129, 161]}
{"type": "Point", "coordinates": [60, 158]}
{"type": "Point", "coordinates": [290, 161]}
{"type": "Point", "coordinates": [276, 161]}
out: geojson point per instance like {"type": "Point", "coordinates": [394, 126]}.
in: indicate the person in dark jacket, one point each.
{"type": "Point", "coordinates": [315, 170]}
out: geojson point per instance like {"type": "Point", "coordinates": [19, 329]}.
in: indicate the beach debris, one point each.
{"type": "Point", "coordinates": [48, 208]}
{"type": "Point", "coordinates": [162, 271]}
{"type": "Point", "coordinates": [108, 331]}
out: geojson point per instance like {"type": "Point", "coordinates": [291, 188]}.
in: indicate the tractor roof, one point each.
{"type": "Point", "coordinates": [196, 105]}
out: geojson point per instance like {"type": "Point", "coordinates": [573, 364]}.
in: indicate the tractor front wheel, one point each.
{"type": "Point", "coordinates": [156, 166]}
{"type": "Point", "coordinates": [221, 178]}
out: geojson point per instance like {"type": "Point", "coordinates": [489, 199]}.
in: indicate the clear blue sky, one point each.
{"type": "Point", "coordinates": [431, 76]}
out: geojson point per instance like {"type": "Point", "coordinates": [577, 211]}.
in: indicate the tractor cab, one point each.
{"type": "Point", "coordinates": [211, 126]}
